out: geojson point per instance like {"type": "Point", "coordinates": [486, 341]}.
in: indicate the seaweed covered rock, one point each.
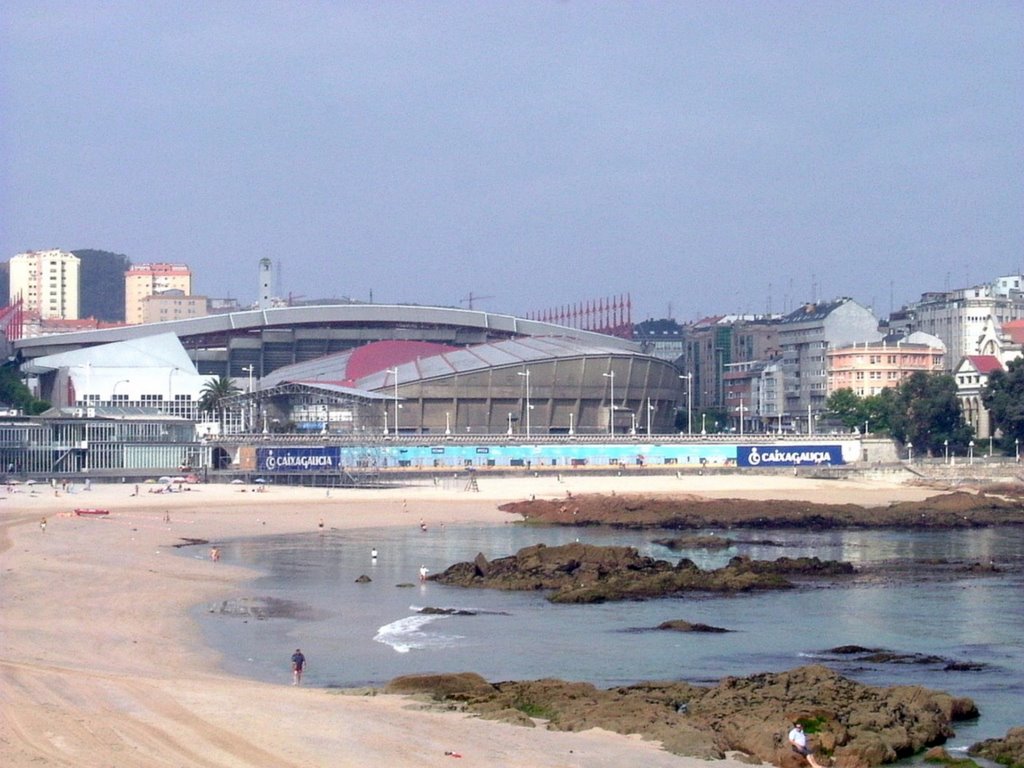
{"type": "Point", "coordinates": [584, 573]}
{"type": "Point", "coordinates": [1008, 751]}
{"type": "Point", "coordinates": [854, 724]}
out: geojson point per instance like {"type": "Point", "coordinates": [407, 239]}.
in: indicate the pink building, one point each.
{"type": "Point", "coordinates": [870, 367]}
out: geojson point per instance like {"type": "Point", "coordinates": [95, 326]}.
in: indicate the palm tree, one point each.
{"type": "Point", "coordinates": [214, 392]}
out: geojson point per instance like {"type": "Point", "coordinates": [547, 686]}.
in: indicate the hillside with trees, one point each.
{"type": "Point", "coordinates": [101, 281]}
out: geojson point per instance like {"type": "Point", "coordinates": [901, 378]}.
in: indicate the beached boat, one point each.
{"type": "Point", "coordinates": [92, 512]}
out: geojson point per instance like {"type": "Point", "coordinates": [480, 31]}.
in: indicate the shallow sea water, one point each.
{"type": "Point", "coordinates": [365, 634]}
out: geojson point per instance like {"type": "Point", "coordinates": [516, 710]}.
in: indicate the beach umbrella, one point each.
{"type": "Point", "coordinates": [165, 479]}
{"type": "Point", "coordinates": [259, 480]}
{"type": "Point", "coordinates": [236, 481]}
{"type": "Point", "coordinates": [14, 482]}
{"type": "Point", "coordinates": [29, 482]}
{"type": "Point", "coordinates": [178, 479]}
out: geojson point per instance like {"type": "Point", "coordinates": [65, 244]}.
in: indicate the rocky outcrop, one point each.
{"type": "Point", "coordinates": [584, 573]}
{"type": "Point", "coordinates": [1008, 751]}
{"type": "Point", "coordinates": [951, 510]}
{"type": "Point", "coordinates": [678, 625]}
{"type": "Point", "coordinates": [854, 724]}
{"type": "Point", "coordinates": [680, 543]}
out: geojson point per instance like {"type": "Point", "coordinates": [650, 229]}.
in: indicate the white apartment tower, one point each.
{"type": "Point", "coordinates": [149, 280]}
{"type": "Point", "coordinates": [960, 317]}
{"type": "Point", "coordinates": [48, 283]}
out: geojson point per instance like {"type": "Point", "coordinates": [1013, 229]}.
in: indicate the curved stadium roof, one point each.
{"type": "Point", "coordinates": [371, 367]}
{"type": "Point", "coordinates": [390, 319]}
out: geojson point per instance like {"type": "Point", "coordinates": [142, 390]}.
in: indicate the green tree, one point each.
{"type": "Point", "coordinates": [847, 406]}
{"type": "Point", "coordinates": [13, 392]}
{"type": "Point", "coordinates": [101, 284]}
{"type": "Point", "coordinates": [926, 412]}
{"type": "Point", "coordinates": [1003, 396]}
{"type": "Point", "coordinates": [214, 392]}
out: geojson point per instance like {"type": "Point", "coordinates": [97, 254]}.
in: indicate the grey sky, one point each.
{"type": "Point", "coordinates": [708, 157]}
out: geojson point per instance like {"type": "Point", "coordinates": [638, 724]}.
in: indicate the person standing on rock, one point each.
{"type": "Point", "coordinates": [798, 740]}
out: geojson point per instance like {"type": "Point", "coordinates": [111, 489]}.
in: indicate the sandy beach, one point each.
{"type": "Point", "coordinates": [100, 664]}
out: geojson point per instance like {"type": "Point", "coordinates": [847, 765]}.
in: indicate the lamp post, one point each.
{"type": "Point", "coordinates": [703, 419]}
{"type": "Point", "coordinates": [970, 452]}
{"type": "Point", "coordinates": [113, 391]}
{"type": "Point", "coordinates": [689, 401]}
{"type": "Point", "coordinates": [742, 408]}
{"type": "Point", "coordinates": [650, 409]}
{"type": "Point", "coordinates": [990, 446]}
{"type": "Point", "coordinates": [249, 369]}
{"type": "Point", "coordinates": [1016, 449]}
{"type": "Point", "coordinates": [610, 375]}
{"type": "Point", "coordinates": [910, 451]}
{"type": "Point", "coordinates": [571, 431]}
{"type": "Point", "coordinates": [632, 424]}
{"type": "Point", "coordinates": [945, 446]}
{"type": "Point", "coordinates": [447, 423]}
{"type": "Point", "coordinates": [394, 371]}
{"type": "Point", "coordinates": [526, 374]}
{"type": "Point", "coordinates": [509, 423]}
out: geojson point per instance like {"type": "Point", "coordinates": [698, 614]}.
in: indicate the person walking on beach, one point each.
{"type": "Point", "coordinates": [298, 664]}
{"type": "Point", "coordinates": [42, 525]}
{"type": "Point", "coordinates": [423, 573]}
{"type": "Point", "coordinates": [798, 740]}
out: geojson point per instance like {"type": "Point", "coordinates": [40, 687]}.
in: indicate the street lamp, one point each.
{"type": "Point", "coordinates": [611, 401]}
{"type": "Point", "coordinates": [741, 410]}
{"type": "Point", "coordinates": [945, 445]}
{"type": "Point", "coordinates": [447, 423]}
{"type": "Point", "coordinates": [113, 391]}
{"type": "Point", "coordinates": [1016, 449]}
{"type": "Point", "coordinates": [526, 373]}
{"type": "Point", "coordinates": [249, 369]}
{"type": "Point", "coordinates": [632, 424]}
{"type": "Point", "coordinates": [509, 422]}
{"type": "Point", "coordinates": [990, 446]}
{"type": "Point", "coordinates": [970, 452]}
{"type": "Point", "coordinates": [571, 431]}
{"type": "Point", "coordinates": [910, 451]}
{"type": "Point", "coordinates": [689, 401]}
{"type": "Point", "coordinates": [650, 410]}
{"type": "Point", "coordinates": [395, 372]}
{"type": "Point", "coordinates": [703, 419]}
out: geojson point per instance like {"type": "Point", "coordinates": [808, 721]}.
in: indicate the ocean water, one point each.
{"type": "Point", "coordinates": [365, 634]}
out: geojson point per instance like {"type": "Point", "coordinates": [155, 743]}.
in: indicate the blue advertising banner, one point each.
{"type": "Point", "coordinates": [321, 458]}
{"type": "Point", "coordinates": [787, 456]}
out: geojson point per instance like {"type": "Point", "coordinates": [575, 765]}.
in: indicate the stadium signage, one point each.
{"type": "Point", "coordinates": [297, 459]}
{"type": "Point", "coordinates": [788, 455]}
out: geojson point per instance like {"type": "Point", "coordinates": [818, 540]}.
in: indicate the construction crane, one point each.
{"type": "Point", "coordinates": [468, 300]}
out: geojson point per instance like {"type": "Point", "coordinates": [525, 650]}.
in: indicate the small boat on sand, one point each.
{"type": "Point", "coordinates": [92, 512]}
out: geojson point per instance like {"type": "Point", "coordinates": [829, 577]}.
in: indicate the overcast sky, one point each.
{"type": "Point", "coordinates": [702, 157]}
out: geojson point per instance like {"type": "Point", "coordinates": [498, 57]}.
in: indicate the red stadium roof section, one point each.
{"type": "Point", "coordinates": [380, 355]}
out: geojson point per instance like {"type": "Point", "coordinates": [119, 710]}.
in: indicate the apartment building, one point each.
{"type": "Point", "coordinates": [714, 345]}
{"type": "Point", "coordinates": [805, 336]}
{"type": "Point", "coordinates": [172, 305]}
{"type": "Point", "coordinates": [47, 282]}
{"type": "Point", "coordinates": [960, 317]}
{"type": "Point", "coordinates": [152, 279]}
{"type": "Point", "coordinates": [869, 367]}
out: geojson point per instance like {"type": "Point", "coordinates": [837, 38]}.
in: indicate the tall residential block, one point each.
{"type": "Point", "coordinates": [150, 280]}
{"type": "Point", "coordinates": [48, 283]}
{"type": "Point", "coordinates": [959, 317]}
